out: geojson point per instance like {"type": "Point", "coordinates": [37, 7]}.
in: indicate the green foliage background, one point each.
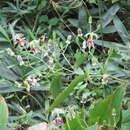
{"type": "Point", "coordinates": [101, 75]}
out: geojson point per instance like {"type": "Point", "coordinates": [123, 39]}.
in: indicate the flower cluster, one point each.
{"type": "Point", "coordinates": [33, 45]}
{"type": "Point", "coordinates": [20, 40]}
{"type": "Point", "coordinates": [88, 39]}
{"type": "Point", "coordinates": [19, 59]}
{"type": "Point", "coordinates": [57, 119]}
{"type": "Point", "coordinates": [69, 38]}
{"type": "Point", "coordinates": [31, 81]}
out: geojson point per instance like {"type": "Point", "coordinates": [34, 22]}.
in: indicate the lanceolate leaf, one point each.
{"type": "Point", "coordinates": [3, 114]}
{"type": "Point", "coordinates": [108, 29]}
{"type": "Point", "coordinates": [83, 18]}
{"type": "Point", "coordinates": [65, 93]}
{"type": "Point", "coordinates": [103, 111]}
{"type": "Point", "coordinates": [56, 85]}
{"type": "Point", "coordinates": [3, 32]}
{"type": "Point", "coordinates": [108, 44]}
{"type": "Point", "coordinates": [121, 30]}
{"type": "Point", "coordinates": [107, 18]}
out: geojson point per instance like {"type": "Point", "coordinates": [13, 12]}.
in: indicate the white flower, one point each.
{"type": "Point", "coordinates": [32, 81]}
{"type": "Point", "coordinates": [68, 42]}
{"type": "Point", "coordinates": [19, 39]}
{"type": "Point", "coordinates": [51, 64]}
{"type": "Point", "coordinates": [19, 36]}
{"type": "Point", "coordinates": [84, 99]}
{"type": "Point", "coordinates": [84, 45]}
{"type": "Point", "coordinates": [10, 52]}
{"type": "Point", "coordinates": [46, 54]}
{"type": "Point", "coordinates": [51, 61]}
{"type": "Point", "coordinates": [105, 79]}
{"type": "Point", "coordinates": [20, 60]}
{"type": "Point", "coordinates": [91, 35]}
{"type": "Point", "coordinates": [17, 84]}
{"type": "Point", "coordinates": [69, 38]}
{"type": "Point", "coordinates": [57, 111]}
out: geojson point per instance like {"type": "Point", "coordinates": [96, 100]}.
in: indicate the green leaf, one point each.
{"type": "Point", "coordinates": [80, 58]}
{"type": "Point", "coordinates": [2, 39]}
{"type": "Point", "coordinates": [121, 30]}
{"type": "Point", "coordinates": [3, 32]}
{"type": "Point", "coordinates": [107, 18]}
{"type": "Point", "coordinates": [108, 29]}
{"type": "Point", "coordinates": [53, 21]}
{"type": "Point", "coordinates": [109, 44]}
{"type": "Point", "coordinates": [11, 29]}
{"type": "Point", "coordinates": [56, 85]}
{"type": "Point", "coordinates": [93, 127]}
{"type": "Point", "coordinates": [3, 114]}
{"type": "Point", "coordinates": [43, 18]}
{"type": "Point", "coordinates": [8, 68]}
{"type": "Point", "coordinates": [125, 120]}
{"type": "Point", "coordinates": [76, 123]}
{"type": "Point", "coordinates": [73, 22]}
{"type": "Point", "coordinates": [65, 93]}
{"type": "Point", "coordinates": [128, 2]}
{"type": "Point", "coordinates": [42, 4]}
{"type": "Point", "coordinates": [8, 74]}
{"type": "Point", "coordinates": [30, 33]}
{"type": "Point", "coordinates": [8, 87]}
{"type": "Point", "coordinates": [60, 34]}
{"type": "Point", "coordinates": [104, 109]}
{"type": "Point", "coordinates": [83, 18]}
{"type": "Point", "coordinates": [36, 69]}
{"type": "Point", "coordinates": [114, 1]}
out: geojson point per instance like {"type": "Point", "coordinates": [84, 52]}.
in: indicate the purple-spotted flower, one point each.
{"type": "Point", "coordinates": [34, 46]}
{"type": "Point", "coordinates": [90, 39]}
{"type": "Point", "coordinates": [21, 42]}
{"type": "Point", "coordinates": [35, 49]}
{"type": "Point", "coordinates": [90, 43]}
{"type": "Point", "coordinates": [42, 39]}
{"type": "Point", "coordinates": [59, 121]}
{"type": "Point", "coordinates": [20, 39]}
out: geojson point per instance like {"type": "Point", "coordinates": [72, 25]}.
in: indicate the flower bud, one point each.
{"type": "Point", "coordinates": [79, 32]}
{"type": "Point", "coordinates": [20, 60]}
{"type": "Point", "coordinates": [84, 45]}
{"type": "Point", "coordinates": [10, 52]}
{"type": "Point", "coordinates": [69, 38]}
